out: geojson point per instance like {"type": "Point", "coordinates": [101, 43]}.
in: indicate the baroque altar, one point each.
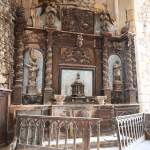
{"type": "Point", "coordinates": [69, 58]}
{"type": "Point", "coordinates": [60, 40]}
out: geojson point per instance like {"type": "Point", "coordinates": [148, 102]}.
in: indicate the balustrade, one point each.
{"type": "Point", "coordinates": [57, 132]}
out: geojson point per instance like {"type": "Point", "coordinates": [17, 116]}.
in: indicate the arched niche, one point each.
{"type": "Point", "coordinates": [111, 62]}
{"type": "Point", "coordinates": [33, 76]}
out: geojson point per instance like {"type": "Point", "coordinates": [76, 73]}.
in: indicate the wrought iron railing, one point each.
{"type": "Point", "coordinates": [58, 132]}
{"type": "Point", "coordinates": [130, 130]}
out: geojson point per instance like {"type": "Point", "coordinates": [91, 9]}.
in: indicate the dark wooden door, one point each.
{"type": "Point", "coordinates": [3, 117]}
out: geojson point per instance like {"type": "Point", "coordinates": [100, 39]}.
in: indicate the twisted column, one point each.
{"type": "Point", "coordinates": [19, 49]}
{"type": "Point", "coordinates": [129, 88]}
{"type": "Point", "coordinates": [129, 73]}
{"type": "Point", "coordinates": [106, 69]}
{"type": "Point", "coordinates": [134, 64]}
{"type": "Point", "coordinates": [48, 92]}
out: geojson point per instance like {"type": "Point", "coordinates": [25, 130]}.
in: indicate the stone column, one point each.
{"type": "Point", "coordinates": [106, 87]}
{"type": "Point", "coordinates": [19, 49]}
{"type": "Point", "coordinates": [48, 91]}
{"type": "Point", "coordinates": [6, 64]}
{"type": "Point", "coordinates": [134, 65]}
{"type": "Point", "coordinates": [6, 44]}
{"type": "Point", "coordinates": [129, 89]}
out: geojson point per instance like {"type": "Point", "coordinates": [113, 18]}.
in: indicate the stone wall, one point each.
{"type": "Point", "coordinates": [142, 21]}
{"type": "Point", "coordinates": [6, 44]}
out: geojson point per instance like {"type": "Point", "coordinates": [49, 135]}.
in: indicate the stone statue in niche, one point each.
{"type": "Point", "coordinates": [34, 19]}
{"type": "Point", "coordinates": [117, 82]}
{"type": "Point", "coordinates": [37, 15]}
{"type": "Point", "coordinates": [117, 71]}
{"type": "Point", "coordinates": [51, 15]}
{"type": "Point", "coordinates": [33, 76]}
{"type": "Point", "coordinates": [33, 73]}
{"type": "Point", "coordinates": [105, 20]}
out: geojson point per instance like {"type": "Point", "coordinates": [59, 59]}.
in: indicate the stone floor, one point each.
{"type": "Point", "coordinates": [5, 148]}
{"type": "Point", "coordinates": [143, 146]}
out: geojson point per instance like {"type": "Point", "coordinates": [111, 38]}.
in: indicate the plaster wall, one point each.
{"type": "Point", "coordinates": [142, 22]}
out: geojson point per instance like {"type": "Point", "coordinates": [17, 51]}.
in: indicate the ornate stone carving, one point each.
{"type": "Point", "coordinates": [129, 73]}
{"type": "Point", "coordinates": [3, 70]}
{"type": "Point", "coordinates": [105, 70]}
{"type": "Point", "coordinates": [105, 21]}
{"type": "Point", "coordinates": [34, 19]}
{"type": "Point", "coordinates": [78, 20]}
{"type": "Point", "coordinates": [51, 15]}
{"type": "Point", "coordinates": [105, 65]}
{"type": "Point", "coordinates": [79, 42]}
{"type": "Point", "coordinates": [19, 47]}
{"type": "Point", "coordinates": [129, 88]}
{"type": "Point", "coordinates": [48, 91]}
{"type": "Point", "coordinates": [77, 55]}
{"type": "Point", "coordinates": [6, 44]}
{"type": "Point", "coordinates": [133, 64]}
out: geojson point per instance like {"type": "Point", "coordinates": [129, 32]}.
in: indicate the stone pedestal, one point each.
{"type": "Point", "coordinates": [106, 112]}
{"type": "Point", "coordinates": [48, 95]}
{"type": "Point", "coordinates": [130, 96]}
{"type": "Point", "coordinates": [17, 95]}
{"type": "Point", "coordinates": [107, 93]}
{"type": "Point", "coordinates": [4, 102]}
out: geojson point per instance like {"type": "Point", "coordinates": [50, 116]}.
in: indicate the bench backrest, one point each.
{"type": "Point", "coordinates": [130, 130]}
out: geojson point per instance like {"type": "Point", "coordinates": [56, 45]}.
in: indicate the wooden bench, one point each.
{"type": "Point", "coordinates": [131, 132]}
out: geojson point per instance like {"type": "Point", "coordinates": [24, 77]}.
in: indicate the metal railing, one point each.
{"type": "Point", "coordinates": [57, 132]}
{"type": "Point", "coordinates": [130, 130]}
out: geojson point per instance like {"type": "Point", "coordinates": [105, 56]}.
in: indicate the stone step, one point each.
{"type": "Point", "coordinates": [105, 142]}
{"type": "Point", "coordinates": [108, 148]}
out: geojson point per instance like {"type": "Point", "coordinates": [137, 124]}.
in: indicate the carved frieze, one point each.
{"type": "Point", "coordinates": [77, 56]}
{"type": "Point", "coordinates": [77, 20]}
{"type": "Point", "coordinates": [37, 37]}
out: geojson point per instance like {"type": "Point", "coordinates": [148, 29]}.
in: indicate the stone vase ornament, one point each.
{"type": "Point", "coordinates": [59, 99]}
{"type": "Point", "coordinates": [101, 99]}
